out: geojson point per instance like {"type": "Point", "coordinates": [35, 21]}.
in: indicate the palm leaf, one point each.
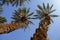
{"type": "Point", "coordinates": [35, 15]}
{"type": "Point", "coordinates": [2, 19]}
{"type": "Point", "coordinates": [31, 18]}
{"type": "Point", "coordinates": [39, 12]}
{"type": "Point", "coordinates": [28, 10]}
{"type": "Point", "coordinates": [40, 7]}
{"type": "Point", "coordinates": [30, 14]}
{"type": "Point", "coordinates": [15, 11]}
{"type": "Point", "coordinates": [31, 22]}
{"type": "Point", "coordinates": [21, 2]}
{"type": "Point", "coordinates": [51, 20]}
{"type": "Point", "coordinates": [43, 5]}
{"type": "Point", "coordinates": [48, 8]}
{"type": "Point", "coordinates": [51, 7]}
{"type": "Point", "coordinates": [16, 2]}
{"type": "Point", "coordinates": [53, 15]}
{"type": "Point", "coordinates": [52, 11]}
{"type": "Point", "coordinates": [47, 5]}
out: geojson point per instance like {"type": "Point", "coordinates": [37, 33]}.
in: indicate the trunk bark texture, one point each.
{"type": "Point", "coordinates": [41, 31]}
{"type": "Point", "coordinates": [7, 28]}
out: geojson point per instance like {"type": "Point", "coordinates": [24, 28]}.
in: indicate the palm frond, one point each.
{"type": "Point", "coordinates": [31, 22]}
{"type": "Point", "coordinates": [51, 7]}
{"type": "Point", "coordinates": [35, 15]}
{"type": "Point", "coordinates": [21, 2]}
{"type": "Point", "coordinates": [53, 15]}
{"type": "Point", "coordinates": [40, 7]}
{"type": "Point", "coordinates": [38, 17]}
{"type": "Point", "coordinates": [16, 2]}
{"type": "Point", "coordinates": [52, 11]}
{"type": "Point", "coordinates": [48, 6]}
{"type": "Point", "coordinates": [30, 14]}
{"type": "Point", "coordinates": [15, 11]}
{"type": "Point", "coordinates": [51, 20]}
{"type": "Point", "coordinates": [2, 19]}
{"type": "Point", "coordinates": [28, 10]}
{"type": "Point", "coordinates": [44, 6]}
{"type": "Point", "coordinates": [39, 12]}
{"type": "Point", "coordinates": [31, 18]}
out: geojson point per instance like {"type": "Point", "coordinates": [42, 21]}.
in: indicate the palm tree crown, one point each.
{"type": "Point", "coordinates": [22, 15]}
{"type": "Point", "coordinates": [44, 12]}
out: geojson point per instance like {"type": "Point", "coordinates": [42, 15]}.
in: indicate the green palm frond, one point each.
{"type": "Point", "coordinates": [51, 20]}
{"type": "Point", "coordinates": [40, 7]}
{"type": "Point", "coordinates": [53, 15]}
{"type": "Point", "coordinates": [2, 19]}
{"type": "Point", "coordinates": [48, 6]}
{"type": "Point", "coordinates": [51, 11]}
{"type": "Point", "coordinates": [31, 22]}
{"type": "Point", "coordinates": [16, 3]}
{"type": "Point", "coordinates": [21, 2]}
{"type": "Point", "coordinates": [44, 6]}
{"type": "Point", "coordinates": [28, 10]}
{"type": "Point", "coordinates": [30, 14]}
{"type": "Point", "coordinates": [51, 7]}
{"type": "Point", "coordinates": [40, 13]}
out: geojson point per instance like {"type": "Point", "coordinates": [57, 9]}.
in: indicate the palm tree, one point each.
{"type": "Point", "coordinates": [21, 20]}
{"type": "Point", "coordinates": [22, 15]}
{"type": "Point", "coordinates": [44, 14]}
{"type": "Point", "coordinates": [14, 2]}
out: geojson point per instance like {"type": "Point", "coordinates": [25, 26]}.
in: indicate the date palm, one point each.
{"type": "Point", "coordinates": [21, 19]}
{"type": "Point", "coordinates": [22, 15]}
{"type": "Point", "coordinates": [44, 14]}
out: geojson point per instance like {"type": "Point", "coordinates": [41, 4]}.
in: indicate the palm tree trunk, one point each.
{"type": "Point", "coordinates": [41, 31]}
{"type": "Point", "coordinates": [6, 28]}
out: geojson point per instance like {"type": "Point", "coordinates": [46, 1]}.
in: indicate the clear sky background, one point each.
{"type": "Point", "coordinates": [20, 34]}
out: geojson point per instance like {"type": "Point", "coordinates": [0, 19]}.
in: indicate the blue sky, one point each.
{"type": "Point", "coordinates": [20, 34]}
